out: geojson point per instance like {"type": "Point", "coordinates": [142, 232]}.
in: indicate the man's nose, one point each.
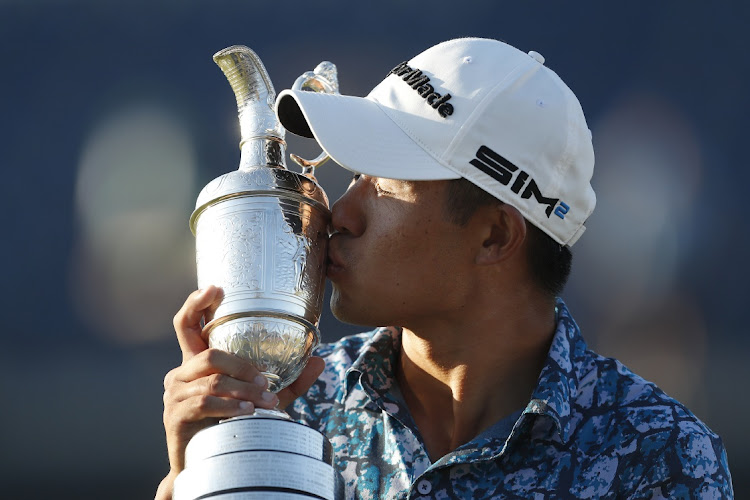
{"type": "Point", "coordinates": [347, 214]}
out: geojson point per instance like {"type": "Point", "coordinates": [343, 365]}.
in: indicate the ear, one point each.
{"type": "Point", "coordinates": [504, 234]}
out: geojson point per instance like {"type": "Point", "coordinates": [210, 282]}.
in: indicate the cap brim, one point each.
{"type": "Point", "coordinates": [358, 135]}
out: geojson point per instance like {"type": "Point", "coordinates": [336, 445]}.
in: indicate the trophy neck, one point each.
{"type": "Point", "coordinates": [265, 151]}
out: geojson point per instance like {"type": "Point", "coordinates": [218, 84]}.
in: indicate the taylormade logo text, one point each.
{"type": "Point", "coordinates": [503, 171]}
{"type": "Point", "coordinates": [419, 82]}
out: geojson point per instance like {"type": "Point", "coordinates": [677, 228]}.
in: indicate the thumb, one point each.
{"type": "Point", "coordinates": [309, 375]}
{"type": "Point", "coordinates": [187, 322]}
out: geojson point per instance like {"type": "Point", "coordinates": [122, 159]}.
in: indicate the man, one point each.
{"type": "Point", "coordinates": [472, 165]}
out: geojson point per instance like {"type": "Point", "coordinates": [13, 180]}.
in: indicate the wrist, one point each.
{"type": "Point", "coordinates": [164, 492]}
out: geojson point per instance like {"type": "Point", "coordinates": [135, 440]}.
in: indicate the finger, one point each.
{"type": "Point", "coordinates": [219, 373]}
{"type": "Point", "coordinates": [201, 407]}
{"type": "Point", "coordinates": [212, 361]}
{"type": "Point", "coordinates": [309, 375]}
{"type": "Point", "coordinates": [182, 421]}
{"type": "Point", "coordinates": [187, 321]}
{"type": "Point", "coordinates": [223, 386]}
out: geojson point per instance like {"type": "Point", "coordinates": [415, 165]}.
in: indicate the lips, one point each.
{"type": "Point", "coordinates": [335, 265]}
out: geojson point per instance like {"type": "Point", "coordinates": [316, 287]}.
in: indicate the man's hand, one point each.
{"type": "Point", "coordinates": [211, 384]}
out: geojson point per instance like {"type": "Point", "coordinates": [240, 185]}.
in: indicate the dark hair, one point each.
{"type": "Point", "coordinates": [549, 261]}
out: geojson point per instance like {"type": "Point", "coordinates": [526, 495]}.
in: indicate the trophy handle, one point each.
{"type": "Point", "coordinates": [324, 78]}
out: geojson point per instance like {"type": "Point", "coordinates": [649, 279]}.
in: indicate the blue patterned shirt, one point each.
{"type": "Point", "coordinates": [592, 429]}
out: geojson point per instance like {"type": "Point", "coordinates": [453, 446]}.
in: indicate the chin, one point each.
{"type": "Point", "coordinates": [346, 312]}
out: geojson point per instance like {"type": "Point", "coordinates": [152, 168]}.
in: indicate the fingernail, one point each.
{"type": "Point", "coordinates": [246, 405]}
{"type": "Point", "coordinates": [268, 396]}
{"type": "Point", "coordinates": [260, 380]}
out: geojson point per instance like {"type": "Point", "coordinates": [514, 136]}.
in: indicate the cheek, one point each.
{"type": "Point", "coordinates": [406, 256]}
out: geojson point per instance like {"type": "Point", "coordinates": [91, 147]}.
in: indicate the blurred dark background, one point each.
{"type": "Point", "coordinates": [113, 116]}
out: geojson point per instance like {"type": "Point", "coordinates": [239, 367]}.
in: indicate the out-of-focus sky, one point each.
{"type": "Point", "coordinates": [113, 116]}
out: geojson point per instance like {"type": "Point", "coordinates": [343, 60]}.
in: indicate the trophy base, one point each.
{"type": "Point", "coordinates": [266, 455]}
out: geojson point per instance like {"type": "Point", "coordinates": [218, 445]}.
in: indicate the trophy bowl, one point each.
{"type": "Point", "coordinates": [262, 236]}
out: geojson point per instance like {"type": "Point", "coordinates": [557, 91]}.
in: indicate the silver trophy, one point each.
{"type": "Point", "coordinates": [261, 235]}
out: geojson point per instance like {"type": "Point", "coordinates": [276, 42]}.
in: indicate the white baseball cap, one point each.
{"type": "Point", "coordinates": [473, 108]}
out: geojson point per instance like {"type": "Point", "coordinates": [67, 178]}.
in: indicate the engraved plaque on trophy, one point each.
{"type": "Point", "coordinates": [261, 235]}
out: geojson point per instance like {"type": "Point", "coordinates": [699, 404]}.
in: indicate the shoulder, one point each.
{"type": "Point", "coordinates": [660, 447]}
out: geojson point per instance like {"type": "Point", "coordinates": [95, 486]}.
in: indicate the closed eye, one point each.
{"type": "Point", "coordinates": [380, 190]}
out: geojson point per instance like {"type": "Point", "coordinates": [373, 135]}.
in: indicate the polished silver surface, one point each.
{"type": "Point", "coordinates": [262, 235]}
{"type": "Point", "coordinates": [265, 430]}
{"type": "Point", "coordinates": [263, 453]}
{"type": "Point", "coordinates": [266, 455]}
{"type": "Point", "coordinates": [257, 470]}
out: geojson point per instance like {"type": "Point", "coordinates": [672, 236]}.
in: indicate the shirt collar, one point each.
{"type": "Point", "coordinates": [375, 365]}
{"type": "Point", "coordinates": [556, 387]}
{"type": "Point", "coordinates": [375, 370]}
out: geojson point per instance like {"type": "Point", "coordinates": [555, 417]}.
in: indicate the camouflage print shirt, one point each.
{"type": "Point", "coordinates": [592, 429]}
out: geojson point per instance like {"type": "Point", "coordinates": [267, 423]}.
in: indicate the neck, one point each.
{"type": "Point", "coordinates": [460, 377]}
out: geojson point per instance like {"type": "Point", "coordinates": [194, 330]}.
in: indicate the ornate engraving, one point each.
{"type": "Point", "coordinates": [257, 177]}
{"type": "Point", "coordinates": [229, 251]}
{"type": "Point", "coordinates": [277, 347]}
{"type": "Point", "coordinates": [214, 186]}
{"type": "Point", "coordinates": [292, 250]}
